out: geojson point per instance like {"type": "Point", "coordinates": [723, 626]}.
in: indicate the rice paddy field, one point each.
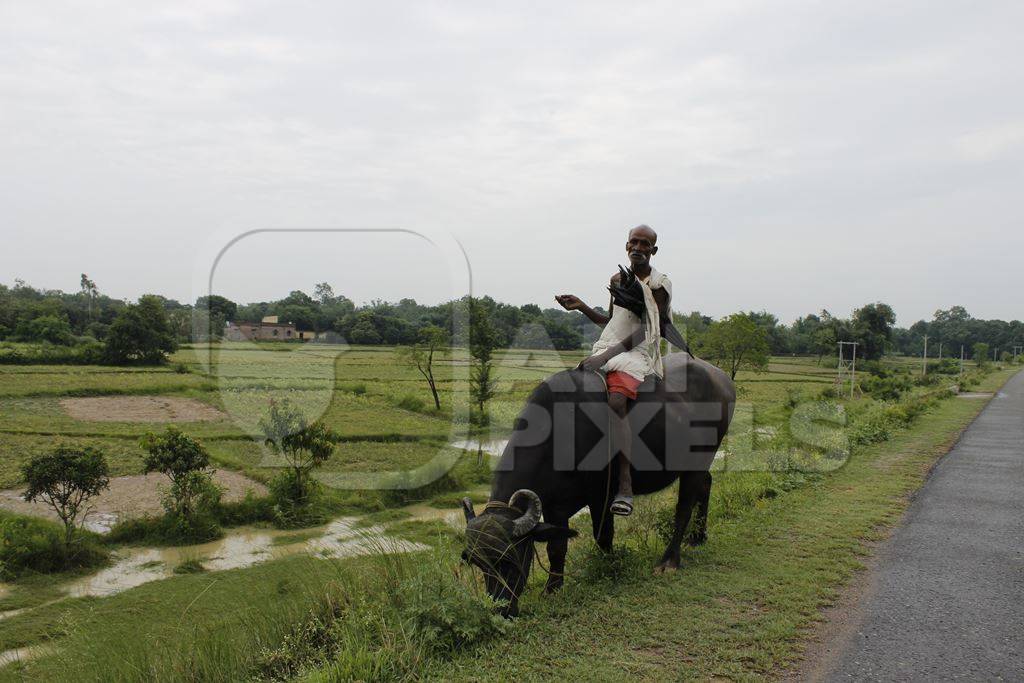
{"type": "Point", "coordinates": [382, 410]}
{"type": "Point", "coordinates": [380, 406]}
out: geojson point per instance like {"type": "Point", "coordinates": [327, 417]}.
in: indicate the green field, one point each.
{"type": "Point", "coordinates": [715, 618]}
{"type": "Point", "coordinates": [377, 404]}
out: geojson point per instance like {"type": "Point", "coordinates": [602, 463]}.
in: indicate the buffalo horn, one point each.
{"type": "Point", "coordinates": [524, 524]}
{"type": "Point", "coordinates": [467, 509]}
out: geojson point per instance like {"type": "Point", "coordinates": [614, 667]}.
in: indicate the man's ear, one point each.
{"type": "Point", "coordinates": [654, 250]}
{"type": "Point", "coordinates": [543, 532]}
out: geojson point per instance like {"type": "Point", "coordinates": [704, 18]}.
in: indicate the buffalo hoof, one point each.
{"type": "Point", "coordinates": [667, 566]}
{"type": "Point", "coordinates": [697, 539]}
{"type": "Point", "coordinates": [553, 585]}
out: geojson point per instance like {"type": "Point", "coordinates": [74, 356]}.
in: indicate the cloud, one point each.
{"type": "Point", "coordinates": [767, 142]}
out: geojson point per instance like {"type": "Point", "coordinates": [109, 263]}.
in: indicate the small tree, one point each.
{"type": "Point", "coordinates": [65, 479]}
{"type": "Point", "coordinates": [421, 356]}
{"type": "Point", "coordinates": [736, 342]}
{"type": "Point", "coordinates": [980, 354]}
{"type": "Point", "coordinates": [304, 446]}
{"type": "Point", "coordinates": [184, 461]}
{"type": "Point", "coordinates": [141, 333]}
{"type": "Point", "coordinates": [482, 342]}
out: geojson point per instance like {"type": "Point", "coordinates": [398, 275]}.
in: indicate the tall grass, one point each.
{"type": "Point", "coordinates": [370, 618]}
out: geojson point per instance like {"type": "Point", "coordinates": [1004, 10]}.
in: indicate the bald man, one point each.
{"type": "Point", "coordinates": [629, 348]}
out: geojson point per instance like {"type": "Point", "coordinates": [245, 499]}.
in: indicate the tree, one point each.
{"type": "Point", "coordinates": [65, 479]}
{"type": "Point", "coordinates": [323, 293]}
{"type": "Point", "coordinates": [421, 356]}
{"type": "Point", "coordinates": [872, 329]}
{"type": "Point", "coordinates": [736, 342]}
{"type": "Point", "coordinates": [482, 342]}
{"type": "Point", "coordinates": [141, 333]}
{"type": "Point", "coordinates": [303, 445]}
{"type": "Point", "coordinates": [89, 291]}
{"type": "Point", "coordinates": [48, 328]}
{"type": "Point", "coordinates": [980, 353]}
{"type": "Point", "coordinates": [184, 461]}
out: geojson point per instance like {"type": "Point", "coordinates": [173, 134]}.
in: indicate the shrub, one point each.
{"type": "Point", "coordinates": [31, 545]}
{"type": "Point", "coordinates": [888, 388]}
{"type": "Point", "coordinates": [250, 509]}
{"type": "Point", "coordinates": [296, 503]}
{"type": "Point", "coordinates": [304, 447]}
{"type": "Point", "coordinates": [193, 497]}
{"type": "Point", "coordinates": [65, 479]}
{"type": "Point", "coordinates": [46, 328]}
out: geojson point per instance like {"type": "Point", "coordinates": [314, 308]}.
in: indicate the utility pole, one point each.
{"type": "Point", "coordinates": [847, 368]}
{"type": "Point", "coordinates": [961, 360]}
{"type": "Point", "coordinates": [940, 351]}
{"type": "Point", "coordinates": [924, 357]}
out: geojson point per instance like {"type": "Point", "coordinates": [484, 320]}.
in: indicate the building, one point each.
{"type": "Point", "coordinates": [268, 329]}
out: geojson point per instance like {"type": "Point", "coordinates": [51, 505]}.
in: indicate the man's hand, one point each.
{"type": "Point", "coordinates": [570, 302]}
{"type": "Point", "coordinates": [595, 362]}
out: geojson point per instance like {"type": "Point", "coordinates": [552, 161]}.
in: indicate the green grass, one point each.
{"type": "Point", "coordinates": [780, 544]}
{"type": "Point", "coordinates": [740, 607]}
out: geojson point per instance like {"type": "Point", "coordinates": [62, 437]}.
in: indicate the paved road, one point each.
{"type": "Point", "coordinates": [948, 595]}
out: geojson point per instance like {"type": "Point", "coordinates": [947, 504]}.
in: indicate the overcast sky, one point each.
{"type": "Point", "coordinates": [792, 156]}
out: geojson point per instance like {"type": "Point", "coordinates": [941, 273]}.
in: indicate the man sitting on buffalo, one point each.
{"type": "Point", "coordinates": [629, 348]}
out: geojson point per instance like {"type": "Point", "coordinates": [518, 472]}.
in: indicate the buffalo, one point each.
{"type": "Point", "coordinates": [557, 462]}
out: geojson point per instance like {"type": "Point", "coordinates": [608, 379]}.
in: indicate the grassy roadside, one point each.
{"type": "Point", "coordinates": [742, 606]}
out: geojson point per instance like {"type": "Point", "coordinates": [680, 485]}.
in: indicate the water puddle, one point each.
{"type": "Point", "coordinates": [493, 447]}
{"type": "Point", "coordinates": [425, 513]}
{"type": "Point", "coordinates": [239, 548]}
{"type": "Point", "coordinates": [20, 654]}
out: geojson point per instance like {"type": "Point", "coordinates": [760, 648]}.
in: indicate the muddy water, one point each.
{"type": "Point", "coordinates": [21, 654]}
{"type": "Point", "coordinates": [239, 548]}
{"type": "Point", "coordinates": [493, 447]}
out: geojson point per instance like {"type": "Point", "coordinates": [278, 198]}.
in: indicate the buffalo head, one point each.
{"type": "Point", "coordinates": [500, 542]}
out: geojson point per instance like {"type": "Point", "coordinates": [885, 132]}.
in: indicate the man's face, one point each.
{"type": "Point", "coordinates": [640, 247]}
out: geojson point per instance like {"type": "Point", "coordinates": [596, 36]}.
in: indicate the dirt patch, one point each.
{"type": "Point", "coordinates": [139, 409]}
{"type": "Point", "coordinates": [127, 497]}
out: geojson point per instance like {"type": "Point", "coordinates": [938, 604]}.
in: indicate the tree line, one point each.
{"type": "Point", "coordinates": [111, 330]}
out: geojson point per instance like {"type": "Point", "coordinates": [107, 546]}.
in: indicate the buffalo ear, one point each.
{"type": "Point", "coordinates": [467, 509]}
{"type": "Point", "coordinates": [543, 533]}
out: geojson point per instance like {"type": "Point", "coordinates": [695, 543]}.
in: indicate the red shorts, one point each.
{"type": "Point", "coordinates": [623, 383]}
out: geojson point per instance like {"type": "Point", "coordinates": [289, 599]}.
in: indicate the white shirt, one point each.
{"type": "Point", "coordinates": [644, 358]}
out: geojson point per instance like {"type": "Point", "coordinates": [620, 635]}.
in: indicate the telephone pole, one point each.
{"type": "Point", "coordinates": [847, 368]}
{"type": "Point", "coordinates": [961, 360]}
{"type": "Point", "coordinates": [924, 357]}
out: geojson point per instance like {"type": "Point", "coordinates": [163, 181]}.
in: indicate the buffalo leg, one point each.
{"type": "Point", "coordinates": [699, 532]}
{"type": "Point", "coordinates": [604, 526]}
{"type": "Point", "coordinates": [689, 492]}
{"type": "Point", "coordinates": [557, 550]}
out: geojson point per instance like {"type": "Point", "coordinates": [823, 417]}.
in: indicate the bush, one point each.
{"type": "Point", "coordinates": [250, 509]}
{"type": "Point", "coordinates": [888, 388]}
{"type": "Point", "coordinates": [31, 545]}
{"type": "Point", "coordinates": [193, 497]}
{"type": "Point", "coordinates": [297, 503]}
{"type": "Point", "coordinates": [87, 353]}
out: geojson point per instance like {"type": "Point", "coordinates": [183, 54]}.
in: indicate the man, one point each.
{"type": "Point", "coordinates": [629, 348]}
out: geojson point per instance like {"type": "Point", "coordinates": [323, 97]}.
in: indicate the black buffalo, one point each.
{"type": "Point", "coordinates": [556, 463]}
